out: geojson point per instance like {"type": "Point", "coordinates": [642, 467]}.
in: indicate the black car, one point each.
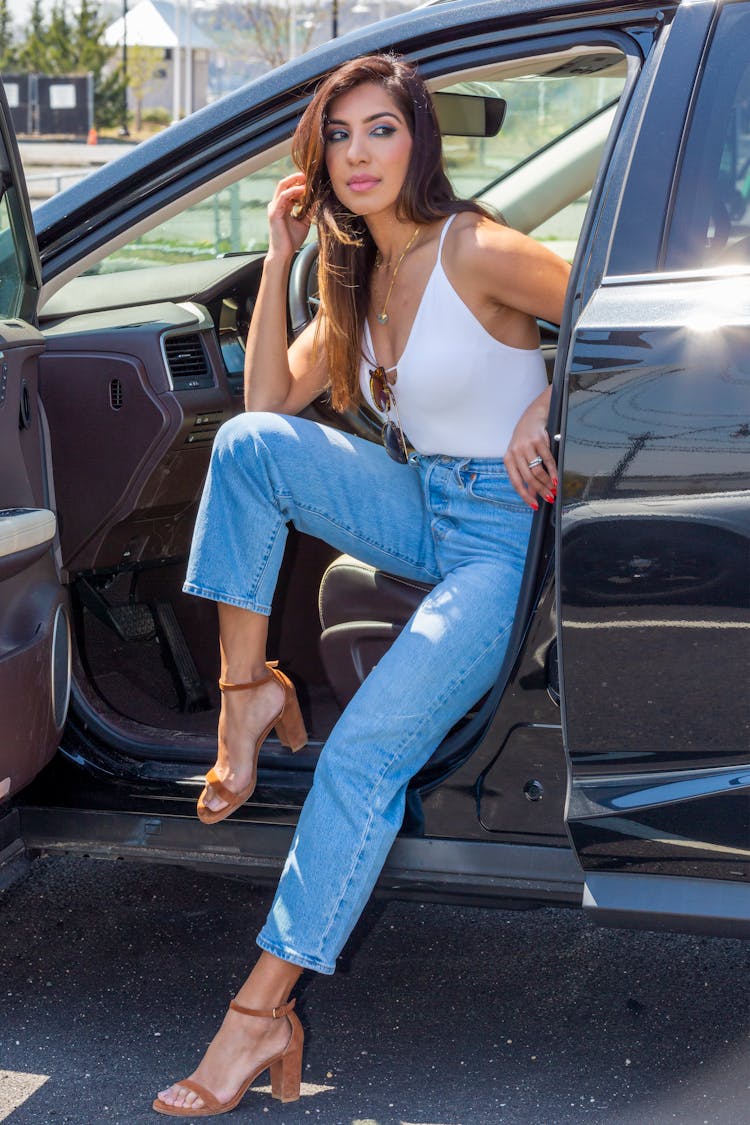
{"type": "Point", "coordinates": [610, 764]}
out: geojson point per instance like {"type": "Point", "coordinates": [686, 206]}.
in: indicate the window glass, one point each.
{"type": "Point", "coordinates": [11, 276]}
{"type": "Point", "coordinates": [547, 100]}
{"type": "Point", "coordinates": [541, 108]}
{"type": "Point", "coordinates": [711, 219]}
{"type": "Point", "coordinates": [230, 221]}
{"type": "Point", "coordinates": [544, 110]}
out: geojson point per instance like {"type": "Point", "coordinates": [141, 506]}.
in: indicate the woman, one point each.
{"type": "Point", "coordinates": [428, 311]}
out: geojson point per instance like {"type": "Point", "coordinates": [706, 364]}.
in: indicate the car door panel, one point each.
{"type": "Point", "coordinates": [34, 630]}
{"type": "Point", "coordinates": [34, 635]}
{"type": "Point", "coordinates": [654, 554]}
{"type": "Point", "coordinates": [655, 606]}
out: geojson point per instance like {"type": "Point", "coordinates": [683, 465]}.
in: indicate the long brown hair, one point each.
{"type": "Point", "coordinates": [347, 250]}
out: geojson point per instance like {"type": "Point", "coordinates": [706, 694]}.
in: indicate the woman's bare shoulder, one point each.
{"type": "Point", "coordinates": [488, 261]}
{"type": "Point", "coordinates": [478, 240]}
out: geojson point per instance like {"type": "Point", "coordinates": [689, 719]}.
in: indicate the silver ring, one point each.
{"type": "Point", "coordinates": [537, 461]}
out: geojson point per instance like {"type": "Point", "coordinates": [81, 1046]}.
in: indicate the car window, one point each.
{"type": "Point", "coordinates": [547, 99]}
{"type": "Point", "coordinates": [711, 218]}
{"type": "Point", "coordinates": [11, 273]}
{"type": "Point", "coordinates": [542, 110]}
{"type": "Point", "coordinates": [232, 220]}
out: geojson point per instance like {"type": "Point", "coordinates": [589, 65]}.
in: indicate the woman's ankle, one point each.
{"type": "Point", "coordinates": [245, 672]}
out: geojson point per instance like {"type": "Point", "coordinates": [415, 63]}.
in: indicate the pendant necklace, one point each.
{"type": "Point", "coordinates": [382, 317]}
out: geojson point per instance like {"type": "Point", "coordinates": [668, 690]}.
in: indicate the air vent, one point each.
{"type": "Point", "coordinates": [115, 394]}
{"type": "Point", "coordinates": [187, 362]}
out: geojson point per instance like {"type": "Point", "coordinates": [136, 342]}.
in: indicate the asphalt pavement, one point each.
{"type": "Point", "coordinates": [114, 975]}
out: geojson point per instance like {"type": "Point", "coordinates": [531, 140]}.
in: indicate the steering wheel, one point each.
{"type": "Point", "coordinates": [304, 301]}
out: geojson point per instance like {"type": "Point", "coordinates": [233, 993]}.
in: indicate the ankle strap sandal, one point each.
{"type": "Point", "coordinates": [285, 1068]}
{"type": "Point", "coordinates": [290, 728]}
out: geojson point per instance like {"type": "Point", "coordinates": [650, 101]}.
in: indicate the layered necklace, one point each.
{"type": "Point", "coordinates": [382, 316]}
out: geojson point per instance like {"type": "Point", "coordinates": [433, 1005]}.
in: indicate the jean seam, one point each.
{"type": "Point", "coordinates": [267, 554]}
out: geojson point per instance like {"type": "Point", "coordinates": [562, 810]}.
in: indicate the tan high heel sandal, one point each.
{"type": "Point", "coordinates": [286, 1071]}
{"type": "Point", "coordinates": [290, 728]}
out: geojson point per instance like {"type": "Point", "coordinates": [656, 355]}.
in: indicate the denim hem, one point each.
{"type": "Point", "coordinates": [228, 599]}
{"type": "Point", "coordinates": [285, 953]}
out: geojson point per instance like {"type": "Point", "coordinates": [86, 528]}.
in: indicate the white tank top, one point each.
{"type": "Point", "coordinates": [459, 391]}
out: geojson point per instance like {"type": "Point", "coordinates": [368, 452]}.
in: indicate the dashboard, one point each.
{"type": "Point", "coordinates": [139, 371]}
{"type": "Point", "coordinates": [219, 295]}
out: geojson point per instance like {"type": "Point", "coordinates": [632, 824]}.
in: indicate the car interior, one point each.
{"type": "Point", "coordinates": [145, 350]}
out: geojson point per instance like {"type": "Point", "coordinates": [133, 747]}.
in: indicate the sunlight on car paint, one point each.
{"type": "Point", "coordinates": [714, 316]}
{"type": "Point", "coordinates": [643, 832]}
{"type": "Point", "coordinates": [16, 1087]}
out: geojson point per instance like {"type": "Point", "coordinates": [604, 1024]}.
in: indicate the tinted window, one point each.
{"type": "Point", "coordinates": [711, 220]}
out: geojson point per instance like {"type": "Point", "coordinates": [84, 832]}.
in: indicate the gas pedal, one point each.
{"type": "Point", "coordinates": [190, 688]}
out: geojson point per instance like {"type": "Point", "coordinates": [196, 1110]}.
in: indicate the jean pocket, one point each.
{"type": "Point", "coordinates": [496, 489]}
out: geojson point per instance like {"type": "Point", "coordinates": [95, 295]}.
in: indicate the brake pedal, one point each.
{"type": "Point", "coordinates": [132, 622]}
{"type": "Point", "coordinates": [190, 688]}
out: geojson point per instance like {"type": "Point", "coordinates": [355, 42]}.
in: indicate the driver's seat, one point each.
{"type": "Point", "coordinates": [362, 611]}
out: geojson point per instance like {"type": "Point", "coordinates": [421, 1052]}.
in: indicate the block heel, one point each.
{"type": "Point", "coordinates": [286, 1072]}
{"type": "Point", "coordinates": [290, 726]}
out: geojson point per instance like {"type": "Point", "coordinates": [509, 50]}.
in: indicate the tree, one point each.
{"type": "Point", "coordinates": [8, 60]}
{"type": "Point", "coordinates": [275, 25]}
{"type": "Point", "coordinates": [61, 53]}
{"type": "Point", "coordinates": [143, 63]}
{"type": "Point", "coordinates": [93, 54]}
{"type": "Point", "coordinates": [32, 56]}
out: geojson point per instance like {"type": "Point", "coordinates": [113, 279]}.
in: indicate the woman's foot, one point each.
{"type": "Point", "coordinates": [244, 716]}
{"type": "Point", "coordinates": [240, 1047]}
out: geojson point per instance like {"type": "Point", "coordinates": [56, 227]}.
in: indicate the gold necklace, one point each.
{"type": "Point", "coordinates": [382, 317]}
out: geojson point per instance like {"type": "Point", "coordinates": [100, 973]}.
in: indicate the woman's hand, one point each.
{"type": "Point", "coordinates": [286, 231]}
{"type": "Point", "coordinates": [528, 459]}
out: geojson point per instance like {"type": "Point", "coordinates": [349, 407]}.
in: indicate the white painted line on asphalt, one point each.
{"type": "Point", "coordinates": [307, 1089]}
{"type": "Point", "coordinates": [16, 1088]}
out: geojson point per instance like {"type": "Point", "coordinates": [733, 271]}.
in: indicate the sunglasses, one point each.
{"type": "Point", "coordinates": [391, 434]}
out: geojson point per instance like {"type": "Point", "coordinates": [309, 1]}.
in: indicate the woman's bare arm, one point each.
{"type": "Point", "coordinates": [520, 275]}
{"type": "Point", "coordinates": [279, 378]}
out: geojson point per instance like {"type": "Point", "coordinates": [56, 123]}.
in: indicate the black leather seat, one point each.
{"type": "Point", "coordinates": [362, 611]}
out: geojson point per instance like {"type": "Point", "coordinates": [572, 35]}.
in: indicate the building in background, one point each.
{"type": "Point", "coordinates": [168, 56]}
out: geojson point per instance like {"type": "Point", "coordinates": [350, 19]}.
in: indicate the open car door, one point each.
{"type": "Point", "coordinates": [34, 629]}
{"type": "Point", "coordinates": [654, 530]}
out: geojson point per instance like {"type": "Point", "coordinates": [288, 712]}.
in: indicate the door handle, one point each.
{"type": "Point", "coordinates": [24, 411]}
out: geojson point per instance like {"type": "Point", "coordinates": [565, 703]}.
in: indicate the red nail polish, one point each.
{"type": "Point", "coordinates": [554, 482]}
{"type": "Point", "coordinates": [549, 498]}
{"type": "Point", "coordinates": [535, 507]}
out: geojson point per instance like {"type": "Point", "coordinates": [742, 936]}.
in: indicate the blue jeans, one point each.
{"type": "Point", "coordinates": [452, 521]}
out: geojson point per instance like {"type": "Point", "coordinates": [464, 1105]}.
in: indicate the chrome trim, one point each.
{"type": "Point", "coordinates": [717, 274]}
{"type": "Point", "coordinates": [61, 616]}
